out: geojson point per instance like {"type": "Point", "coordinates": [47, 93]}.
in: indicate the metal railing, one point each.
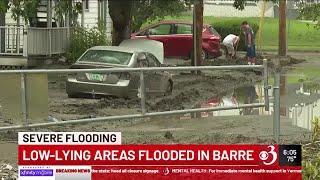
{"type": "Point", "coordinates": [144, 112]}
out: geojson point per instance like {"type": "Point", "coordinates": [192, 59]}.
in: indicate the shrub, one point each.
{"type": "Point", "coordinates": [233, 27]}
{"type": "Point", "coordinates": [82, 39]}
{"type": "Point", "coordinates": [311, 154]}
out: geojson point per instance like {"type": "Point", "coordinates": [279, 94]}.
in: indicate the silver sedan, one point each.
{"type": "Point", "coordinates": [122, 84]}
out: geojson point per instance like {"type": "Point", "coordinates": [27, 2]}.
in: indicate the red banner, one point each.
{"type": "Point", "coordinates": [248, 155]}
{"type": "Point", "coordinates": [171, 161]}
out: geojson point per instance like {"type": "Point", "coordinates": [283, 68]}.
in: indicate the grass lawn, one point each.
{"type": "Point", "coordinates": [300, 36]}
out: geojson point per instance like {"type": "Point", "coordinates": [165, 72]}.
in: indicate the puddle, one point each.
{"type": "Point", "coordinates": [300, 102]}
{"type": "Point", "coordinates": [234, 97]}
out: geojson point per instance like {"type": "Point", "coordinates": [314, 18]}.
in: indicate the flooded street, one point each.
{"type": "Point", "coordinates": [299, 100]}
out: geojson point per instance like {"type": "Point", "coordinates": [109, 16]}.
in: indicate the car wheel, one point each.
{"type": "Point", "coordinates": [169, 88]}
{"type": "Point", "coordinates": [204, 55]}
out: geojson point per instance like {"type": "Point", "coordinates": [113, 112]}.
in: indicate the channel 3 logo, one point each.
{"type": "Point", "coordinates": [265, 155]}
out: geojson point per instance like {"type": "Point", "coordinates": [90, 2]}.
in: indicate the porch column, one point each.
{"type": "Point", "coordinates": [49, 14]}
{"type": "Point", "coordinates": [18, 36]}
{"type": "Point", "coordinates": [2, 31]}
{"type": "Point", "coordinates": [82, 15]}
{"type": "Point", "coordinates": [49, 26]}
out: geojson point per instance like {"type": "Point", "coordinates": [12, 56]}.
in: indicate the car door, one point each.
{"type": "Point", "coordinates": [182, 40]}
{"type": "Point", "coordinates": [156, 78]}
{"type": "Point", "coordinates": [162, 33]}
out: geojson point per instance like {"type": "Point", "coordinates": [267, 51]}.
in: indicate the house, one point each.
{"type": "Point", "coordinates": [45, 35]}
{"type": "Point", "coordinates": [224, 8]}
{"type": "Point", "coordinates": [92, 9]}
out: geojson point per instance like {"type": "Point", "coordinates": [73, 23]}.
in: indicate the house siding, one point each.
{"type": "Point", "coordinates": [91, 17]}
{"type": "Point", "coordinates": [224, 8]}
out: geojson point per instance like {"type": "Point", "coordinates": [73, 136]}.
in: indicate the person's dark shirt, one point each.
{"type": "Point", "coordinates": [249, 36]}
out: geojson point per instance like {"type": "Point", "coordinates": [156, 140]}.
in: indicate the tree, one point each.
{"type": "Point", "coordinates": [121, 15]}
{"type": "Point", "coordinates": [26, 9]}
{"type": "Point", "coordinates": [310, 12]}
{"type": "Point", "coordinates": [149, 10]}
{"type": "Point", "coordinates": [66, 9]}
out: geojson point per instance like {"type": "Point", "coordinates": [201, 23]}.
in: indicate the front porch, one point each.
{"type": "Point", "coordinates": [20, 43]}
{"type": "Point", "coordinates": [44, 37]}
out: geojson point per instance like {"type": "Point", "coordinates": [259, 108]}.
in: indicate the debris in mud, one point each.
{"type": "Point", "coordinates": [8, 172]}
{"type": "Point", "coordinates": [168, 135]}
{"type": "Point", "coordinates": [8, 136]}
{"type": "Point", "coordinates": [112, 102]}
{"type": "Point", "coordinates": [285, 61]}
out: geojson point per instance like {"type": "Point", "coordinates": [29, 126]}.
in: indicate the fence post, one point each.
{"type": "Point", "coordinates": [50, 41]}
{"type": "Point", "coordinates": [266, 85]}
{"type": "Point", "coordinates": [18, 36]}
{"type": "Point", "coordinates": [24, 100]}
{"type": "Point", "coordinates": [142, 93]}
{"type": "Point", "coordinates": [2, 41]}
{"type": "Point", "coordinates": [276, 105]}
{"type": "Point", "coordinates": [25, 42]}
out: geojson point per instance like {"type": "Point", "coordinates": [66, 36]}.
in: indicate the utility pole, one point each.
{"type": "Point", "coordinates": [282, 28]}
{"type": "Point", "coordinates": [196, 60]}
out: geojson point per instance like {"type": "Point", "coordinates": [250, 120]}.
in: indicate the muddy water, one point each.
{"type": "Point", "coordinates": [233, 97]}
{"type": "Point", "coordinates": [300, 101]}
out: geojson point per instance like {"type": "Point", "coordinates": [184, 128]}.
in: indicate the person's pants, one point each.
{"type": "Point", "coordinates": [251, 51]}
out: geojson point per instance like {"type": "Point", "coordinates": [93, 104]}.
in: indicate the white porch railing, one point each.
{"type": "Point", "coordinates": [47, 41]}
{"type": "Point", "coordinates": [19, 41]}
{"type": "Point", "coordinates": [11, 40]}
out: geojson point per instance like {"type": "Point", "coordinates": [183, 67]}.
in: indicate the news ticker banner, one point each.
{"type": "Point", "coordinates": [100, 155]}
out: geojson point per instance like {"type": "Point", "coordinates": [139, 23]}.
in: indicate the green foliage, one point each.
{"type": "Point", "coordinates": [83, 39]}
{"type": "Point", "coordinates": [310, 12]}
{"type": "Point", "coordinates": [67, 7]}
{"type": "Point", "coordinates": [23, 8]}
{"type": "Point", "coordinates": [151, 10]}
{"type": "Point", "coordinates": [315, 130]}
{"type": "Point", "coordinates": [311, 154]}
{"type": "Point", "coordinates": [233, 27]}
{"type": "Point", "coordinates": [4, 6]}
{"type": "Point", "coordinates": [28, 9]}
{"type": "Point", "coordinates": [240, 4]}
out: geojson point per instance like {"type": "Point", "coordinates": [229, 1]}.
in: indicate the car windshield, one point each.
{"type": "Point", "coordinates": [107, 56]}
{"type": "Point", "coordinates": [213, 31]}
